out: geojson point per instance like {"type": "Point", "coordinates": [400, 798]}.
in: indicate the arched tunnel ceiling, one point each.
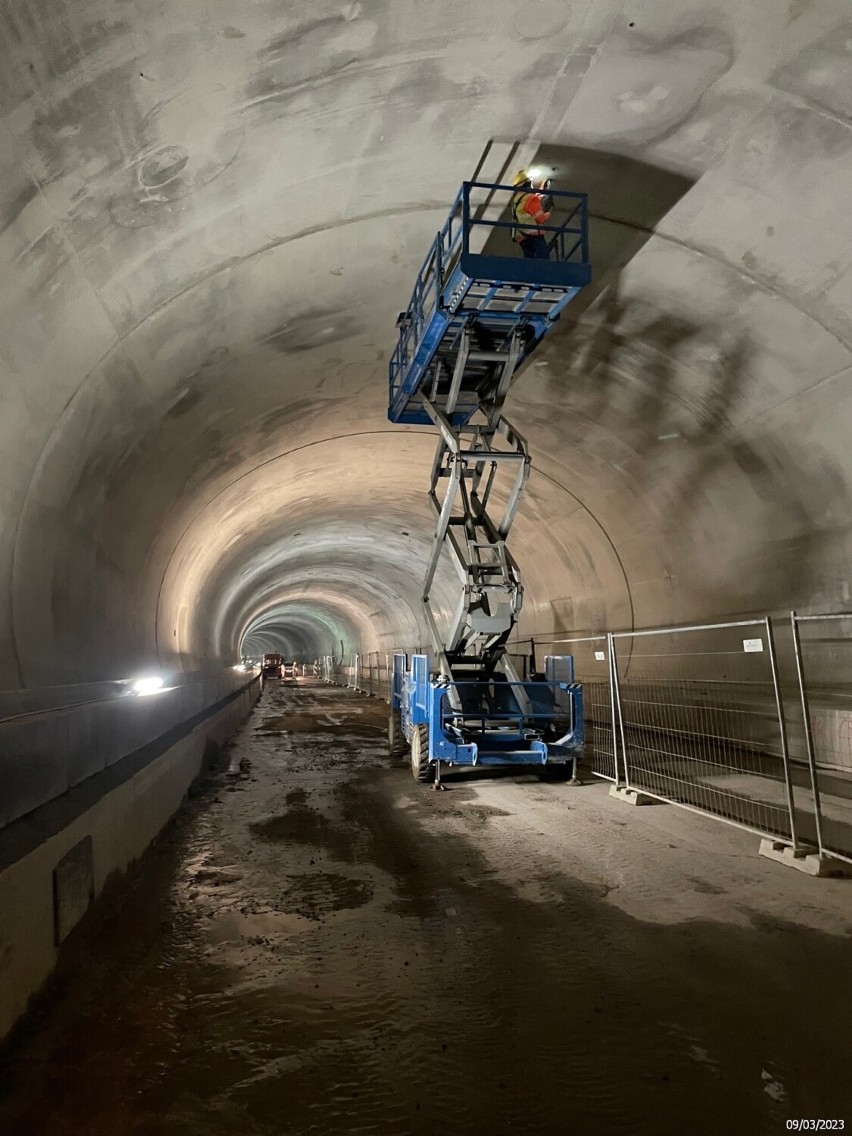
{"type": "Point", "coordinates": [211, 217]}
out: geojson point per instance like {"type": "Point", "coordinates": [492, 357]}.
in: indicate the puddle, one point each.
{"type": "Point", "coordinates": [302, 825]}
{"type": "Point", "coordinates": [232, 926]}
{"type": "Point", "coordinates": [351, 726]}
{"type": "Point", "coordinates": [321, 893]}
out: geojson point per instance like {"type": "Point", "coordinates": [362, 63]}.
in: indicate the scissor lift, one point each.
{"type": "Point", "coordinates": [478, 311]}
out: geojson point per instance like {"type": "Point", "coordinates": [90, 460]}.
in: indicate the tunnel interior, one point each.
{"type": "Point", "coordinates": [209, 230]}
{"type": "Point", "coordinates": [211, 218]}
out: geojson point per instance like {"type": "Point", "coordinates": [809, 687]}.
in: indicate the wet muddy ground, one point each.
{"type": "Point", "coordinates": [318, 945]}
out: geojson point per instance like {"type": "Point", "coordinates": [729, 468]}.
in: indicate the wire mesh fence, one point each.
{"type": "Point", "coordinates": [714, 718]}
{"type": "Point", "coordinates": [591, 668]}
{"type": "Point", "coordinates": [823, 652]}
{"type": "Point", "coordinates": [369, 672]}
{"type": "Point", "coordinates": [520, 664]}
{"type": "Point", "coordinates": [701, 723]}
{"type": "Point", "coordinates": [333, 670]}
{"type": "Point", "coordinates": [373, 668]}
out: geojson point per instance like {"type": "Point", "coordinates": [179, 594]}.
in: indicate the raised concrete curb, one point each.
{"type": "Point", "coordinates": [811, 863]}
{"type": "Point", "coordinates": [631, 796]}
{"type": "Point", "coordinates": [55, 862]}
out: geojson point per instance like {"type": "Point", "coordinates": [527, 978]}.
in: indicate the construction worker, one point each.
{"type": "Point", "coordinates": [530, 210]}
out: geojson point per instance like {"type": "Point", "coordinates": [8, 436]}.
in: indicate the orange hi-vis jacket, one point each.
{"type": "Point", "coordinates": [527, 208]}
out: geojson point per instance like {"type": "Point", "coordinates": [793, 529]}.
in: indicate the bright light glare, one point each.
{"type": "Point", "coordinates": [240, 667]}
{"type": "Point", "coordinates": [534, 173]}
{"type": "Point", "coordinates": [147, 685]}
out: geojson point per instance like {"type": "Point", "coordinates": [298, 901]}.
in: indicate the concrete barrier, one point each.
{"type": "Point", "coordinates": [48, 748]}
{"type": "Point", "coordinates": [104, 785]}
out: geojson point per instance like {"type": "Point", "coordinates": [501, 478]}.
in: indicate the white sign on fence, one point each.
{"type": "Point", "coordinates": [600, 656]}
{"type": "Point", "coordinates": [752, 645]}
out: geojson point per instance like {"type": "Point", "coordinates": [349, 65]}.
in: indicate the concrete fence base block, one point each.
{"type": "Point", "coordinates": [631, 796]}
{"type": "Point", "coordinates": [811, 863]}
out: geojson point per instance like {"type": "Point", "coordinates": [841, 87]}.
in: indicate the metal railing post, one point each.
{"type": "Point", "coordinates": [612, 708]}
{"type": "Point", "coordinates": [615, 697]}
{"type": "Point", "coordinates": [806, 718]}
{"type": "Point", "coordinates": [782, 730]}
{"type": "Point", "coordinates": [439, 272]}
{"type": "Point", "coordinates": [466, 217]}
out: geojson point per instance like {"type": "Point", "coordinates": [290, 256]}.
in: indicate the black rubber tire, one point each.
{"type": "Point", "coordinates": [558, 772]}
{"type": "Point", "coordinates": [396, 738]}
{"type": "Point", "coordinates": [421, 770]}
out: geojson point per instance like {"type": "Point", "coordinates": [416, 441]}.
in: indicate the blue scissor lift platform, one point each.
{"type": "Point", "coordinates": [478, 311]}
{"type": "Point", "coordinates": [497, 293]}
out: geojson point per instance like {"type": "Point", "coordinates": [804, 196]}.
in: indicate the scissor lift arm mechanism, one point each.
{"type": "Point", "coordinates": [478, 311]}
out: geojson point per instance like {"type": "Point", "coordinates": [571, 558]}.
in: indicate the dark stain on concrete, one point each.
{"type": "Point", "coordinates": [163, 166]}
{"type": "Point", "coordinates": [312, 34]}
{"type": "Point", "coordinates": [319, 894]}
{"type": "Point", "coordinates": [17, 203]}
{"type": "Point", "coordinates": [285, 417]}
{"type": "Point", "coordinates": [58, 37]}
{"type": "Point", "coordinates": [45, 259]}
{"type": "Point", "coordinates": [185, 403]}
{"type": "Point", "coordinates": [312, 329]}
{"type": "Point", "coordinates": [303, 825]}
{"type": "Point", "coordinates": [821, 73]}
{"type": "Point", "coordinates": [705, 887]}
{"type": "Point", "coordinates": [64, 149]}
{"type": "Point", "coordinates": [318, 723]}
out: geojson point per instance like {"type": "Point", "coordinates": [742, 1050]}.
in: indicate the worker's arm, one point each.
{"type": "Point", "coordinates": [535, 207]}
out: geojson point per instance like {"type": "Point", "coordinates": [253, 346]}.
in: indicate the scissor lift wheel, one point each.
{"type": "Point", "coordinates": [421, 770]}
{"type": "Point", "coordinates": [559, 771]}
{"type": "Point", "coordinates": [396, 738]}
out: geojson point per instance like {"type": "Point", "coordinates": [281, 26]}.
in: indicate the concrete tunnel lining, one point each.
{"type": "Point", "coordinates": [177, 342]}
{"type": "Point", "coordinates": [208, 227]}
{"type": "Point", "coordinates": [332, 527]}
{"type": "Point", "coordinates": [695, 401]}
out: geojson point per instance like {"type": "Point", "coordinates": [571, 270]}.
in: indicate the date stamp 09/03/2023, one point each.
{"type": "Point", "coordinates": [809, 1124]}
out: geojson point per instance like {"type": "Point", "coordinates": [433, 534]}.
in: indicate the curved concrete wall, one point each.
{"type": "Point", "coordinates": [210, 221]}
{"type": "Point", "coordinates": [57, 744]}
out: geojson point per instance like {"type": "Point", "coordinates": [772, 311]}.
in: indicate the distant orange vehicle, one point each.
{"type": "Point", "coordinates": [273, 666]}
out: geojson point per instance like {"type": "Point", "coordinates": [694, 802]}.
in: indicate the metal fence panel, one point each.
{"type": "Point", "coordinates": [701, 722]}
{"type": "Point", "coordinates": [697, 716]}
{"type": "Point", "coordinates": [591, 669]}
{"type": "Point", "coordinates": [823, 652]}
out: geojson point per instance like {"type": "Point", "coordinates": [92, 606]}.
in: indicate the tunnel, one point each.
{"type": "Point", "coordinates": [211, 218]}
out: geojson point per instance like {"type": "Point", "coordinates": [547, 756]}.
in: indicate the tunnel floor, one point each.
{"type": "Point", "coordinates": [318, 945]}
